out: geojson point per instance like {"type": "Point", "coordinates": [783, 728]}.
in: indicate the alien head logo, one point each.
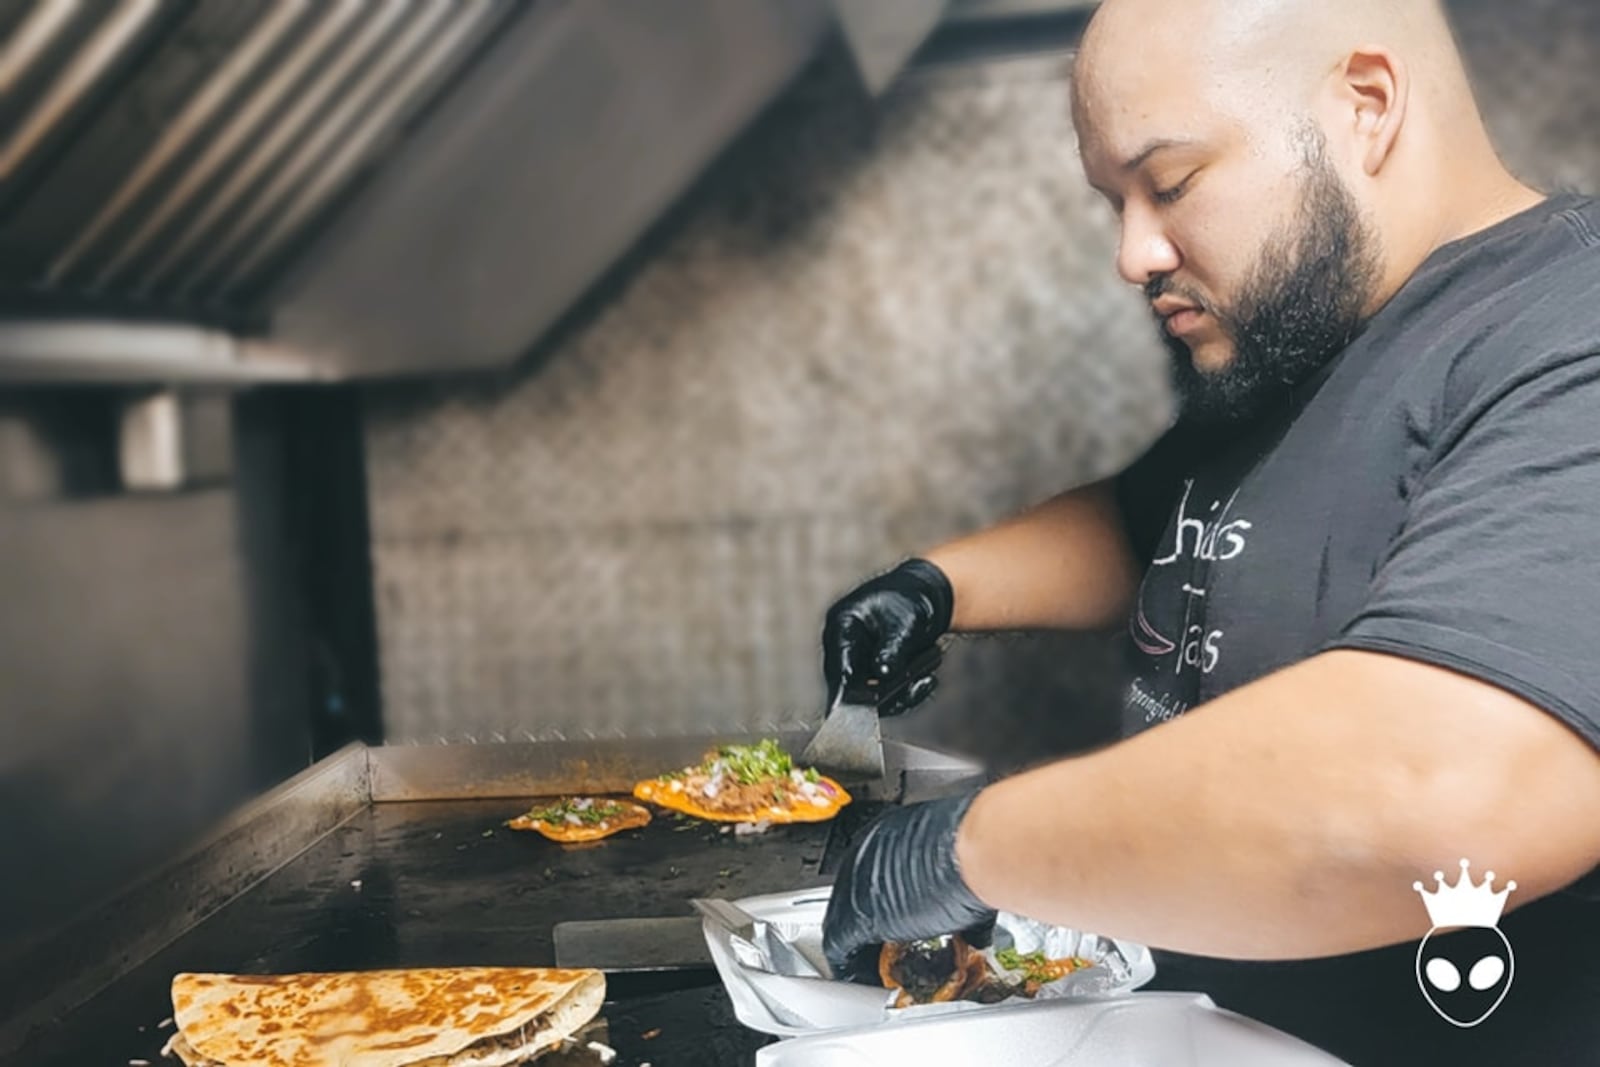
{"type": "Point", "coordinates": [1466, 974]}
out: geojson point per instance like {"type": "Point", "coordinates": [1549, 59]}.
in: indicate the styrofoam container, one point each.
{"type": "Point", "coordinates": [1133, 1030]}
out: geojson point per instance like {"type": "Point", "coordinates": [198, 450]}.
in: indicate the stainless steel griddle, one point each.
{"type": "Point", "coordinates": [396, 857]}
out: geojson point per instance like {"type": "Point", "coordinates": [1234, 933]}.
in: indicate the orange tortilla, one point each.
{"type": "Point", "coordinates": [659, 791]}
{"type": "Point", "coordinates": [631, 817]}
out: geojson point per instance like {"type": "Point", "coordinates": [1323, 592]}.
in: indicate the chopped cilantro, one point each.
{"type": "Point", "coordinates": [1036, 966]}
{"type": "Point", "coordinates": [749, 764]}
{"type": "Point", "coordinates": [1012, 960]}
{"type": "Point", "coordinates": [598, 811]}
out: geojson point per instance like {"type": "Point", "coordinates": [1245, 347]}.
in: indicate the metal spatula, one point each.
{"type": "Point", "coordinates": [850, 741]}
{"type": "Point", "coordinates": [619, 946]}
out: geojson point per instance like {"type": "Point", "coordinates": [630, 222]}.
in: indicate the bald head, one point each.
{"type": "Point", "coordinates": [1264, 153]}
{"type": "Point", "coordinates": [1286, 34]}
{"type": "Point", "coordinates": [1258, 58]}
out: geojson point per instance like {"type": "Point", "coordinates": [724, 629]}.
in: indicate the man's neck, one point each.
{"type": "Point", "coordinates": [1486, 205]}
{"type": "Point", "coordinates": [1508, 199]}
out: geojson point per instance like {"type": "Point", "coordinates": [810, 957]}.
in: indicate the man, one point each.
{"type": "Point", "coordinates": [1363, 642]}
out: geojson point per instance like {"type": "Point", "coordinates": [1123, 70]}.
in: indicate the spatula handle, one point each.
{"type": "Point", "coordinates": [875, 692]}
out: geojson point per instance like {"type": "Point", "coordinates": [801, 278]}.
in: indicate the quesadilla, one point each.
{"type": "Point", "coordinates": [431, 1017]}
{"type": "Point", "coordinates": [748, 784]}
{"type": "Point", "coordinates": [582, 818]}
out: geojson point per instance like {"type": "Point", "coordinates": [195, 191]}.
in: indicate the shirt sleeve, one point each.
{"type": "Point", "coordinates": [1496, 571]}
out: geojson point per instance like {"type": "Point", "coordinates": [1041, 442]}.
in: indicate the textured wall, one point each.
{"type": "Point", "coordinates": [862, 334]}
{"type": "Point", "coordinates": [1536, 66]}
{"type": "Point", "coordinates": [865, 333]}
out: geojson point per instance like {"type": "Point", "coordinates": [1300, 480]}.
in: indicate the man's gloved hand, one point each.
{"type": "Point", "coordinates": [879, 628]}
{"type": "Point", "coordinates": [900, 883]}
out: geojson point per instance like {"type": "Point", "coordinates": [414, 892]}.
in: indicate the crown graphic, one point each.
{"type": "Point", "coordinates": [1464, 904]}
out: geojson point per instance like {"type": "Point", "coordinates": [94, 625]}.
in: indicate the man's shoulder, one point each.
{"type": "Point", "coordinates": [1538, 275]}
{"type": "Point", "coordinates": [1552, 283]}
{"type": "Point", "coordinates": [1525, 306]}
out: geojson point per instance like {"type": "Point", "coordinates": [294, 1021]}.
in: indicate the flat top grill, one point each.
{"type": "Point", "coordinates": [444, 883]}
{"type": "Point", "coordinates": [399, 858]}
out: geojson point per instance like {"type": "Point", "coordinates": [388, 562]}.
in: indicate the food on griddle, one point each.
{"type": "Point", "coordinates": [433, 1017]}
{"type": "Point", "coordinates": [747, 784]}
{"type": "Point", "coordinates": [943, 969]}
{"type": "Point", "coordinates": [582, 818]}
{"type": "Point", "coordinates": [934, 971]}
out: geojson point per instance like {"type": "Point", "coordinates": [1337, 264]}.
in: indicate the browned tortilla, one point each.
{"type": "Point", "coordinates": [967, 969]}
{"type": "Point", "coordinates": [436, 1017]}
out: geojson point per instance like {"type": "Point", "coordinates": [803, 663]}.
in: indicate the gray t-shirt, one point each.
{"type": "Point", "coordinates": [1433, 493]}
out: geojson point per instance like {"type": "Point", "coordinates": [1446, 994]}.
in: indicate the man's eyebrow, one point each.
{"type": "Point", "coordinates": [1152, 147]}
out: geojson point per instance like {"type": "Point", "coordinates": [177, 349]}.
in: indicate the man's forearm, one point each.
{"type": "Point", "coordinates": [1290, 818]}
{"type": "Point", "coordinates": [1065, 564]}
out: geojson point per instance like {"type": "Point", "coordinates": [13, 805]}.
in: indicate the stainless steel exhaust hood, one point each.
{"type": "Point", "coordinates": [353, 188]}
{"type": "Point", "coordinates": [158, 155]}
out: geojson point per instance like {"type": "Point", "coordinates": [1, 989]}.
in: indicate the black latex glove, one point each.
{"type": "Point", "coordinates": [900, 883]}
{"type": "Point", "coordinates": [878, 629]}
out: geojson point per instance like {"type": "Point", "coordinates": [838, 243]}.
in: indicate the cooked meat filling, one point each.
{"type": "Point", "coordinates": [751, 778]}
{"type": "Point", "coordinates": [925, 966]}
{"type": "Point", "coordinates": [501, 1050]}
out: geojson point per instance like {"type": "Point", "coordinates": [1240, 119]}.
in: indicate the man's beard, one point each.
{"type": "Point", "coordinates": [1300, 306]}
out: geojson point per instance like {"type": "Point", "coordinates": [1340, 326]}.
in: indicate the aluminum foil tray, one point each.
{"type": "Point", "coordinates": [1137, 1030]}
{"type": "Point", "coordinates": [778, 1000]}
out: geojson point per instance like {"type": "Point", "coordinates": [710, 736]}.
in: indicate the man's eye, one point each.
{"type": "Point", "coordinates": [1175, 193]}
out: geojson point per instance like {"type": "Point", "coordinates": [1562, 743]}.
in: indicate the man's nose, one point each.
{"type": "Point", "coordinates": [1145, 250]}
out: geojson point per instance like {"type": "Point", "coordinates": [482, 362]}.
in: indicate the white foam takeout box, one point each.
{"type": "Point", "coordinates": [1128, 1030]}
{"type": "Point", "coordinates": [1093, 1018]}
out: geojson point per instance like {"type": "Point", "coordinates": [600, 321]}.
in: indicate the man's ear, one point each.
{"type": "Point", "coordinates": [1377, 86]}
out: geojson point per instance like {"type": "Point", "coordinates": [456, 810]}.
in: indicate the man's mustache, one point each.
{"type": "Point", "coordinates": [1160, 285]}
